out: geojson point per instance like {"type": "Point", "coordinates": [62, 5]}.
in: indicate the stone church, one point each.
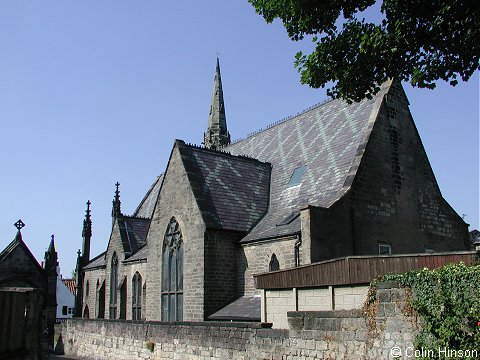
{"type": "Point", "coordinates": [336, 180]}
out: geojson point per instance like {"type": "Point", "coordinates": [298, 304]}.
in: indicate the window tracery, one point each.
{"type": "Point", "coordinates": [172, 273]}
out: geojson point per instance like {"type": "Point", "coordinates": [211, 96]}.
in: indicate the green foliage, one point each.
{"type": "Point", "coordinates": [448, 301]}
{"type": "Point", "coordinates": [415, 40]}
{"type": "Point", "coordinates": [150, 345]}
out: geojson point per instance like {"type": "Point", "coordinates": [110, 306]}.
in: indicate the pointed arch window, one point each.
{"type": "Point", "coordinates": [87, 290]}
{"type": "Point", "coordinates": [100, 299]}
{"type": "Point", "coordinates": [137, 296]}
{"type": "Point", "coordinates": [113, 286]}
{"type": "Point", "coordinates": [86, 313]}
{"type": "Point", "coordinates": [172, 273]}
{"type": "Point", "coordinates": [144, 297]}
{"type": "Point", "coordinates": [274, 265]}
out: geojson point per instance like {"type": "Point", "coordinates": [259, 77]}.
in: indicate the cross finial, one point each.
{"type": "Point", "coordinates": [218, 54]}
{"type": "Point", "coordinates": [88, 210]}
{"type": "Point", "coordinates": [116, 201]}
{"type": "Point", "coordinates": [19, 225]}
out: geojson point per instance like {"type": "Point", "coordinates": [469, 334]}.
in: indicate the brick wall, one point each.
{"type": "Point", "coordinates": [276, 303]}
{"type": "Point", "coordinates": [312, 335]}
{"type": "Point", "coordinates": [349, 297]}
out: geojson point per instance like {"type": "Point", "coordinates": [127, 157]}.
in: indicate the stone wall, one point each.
{"type": "Point", "coordinates": [221, 252]}
{"type": "Point", "coordinates": [93, 277]}
{"type": "Point", "coordinates": [255, 259]}
{"type": "Point", "coordinates": [312, 335]}
{"type": "Point", "coordinates": [394, 197]}
{"type": "Point", "coordinates": [115, 246]}
{"type": "Point", "coordinates": [176, 199]}
{"type": "Point", "coordinates": [277, 303]}
{"type": "Point", "coordinates": [130, 269]}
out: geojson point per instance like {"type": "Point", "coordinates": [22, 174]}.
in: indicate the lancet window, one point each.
{"type": "Point", "coordinates": [113, 286]}
{"type": "Point", "coordinates": [172, 273]}
{"type": "Point", "coordinates": [137, 296]}
{"type": "Point", "coordinates": [274, 265]}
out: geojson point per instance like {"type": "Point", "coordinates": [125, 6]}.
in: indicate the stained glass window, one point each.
{"type": "Point", "coordinates": [274, 264]}
{"type": "Point", "coordinates": [113, 286]}
{"type": "Point", "coordinates": [137, 296]}
{"type": "Point", "coordinates": [172, 273]}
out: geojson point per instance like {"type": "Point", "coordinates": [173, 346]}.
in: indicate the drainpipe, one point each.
{"type": "Point", "coordinates": [297, 249]}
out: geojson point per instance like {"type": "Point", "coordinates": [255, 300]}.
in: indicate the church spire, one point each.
{"type": "Point", "coordinates": [87, 233]}
{"type": "Point", "coordinates": [116, 202]}
{"type": "Point", "coordinates": [51, 258]}
{"type": "Point", "coordinates": [217, 134]}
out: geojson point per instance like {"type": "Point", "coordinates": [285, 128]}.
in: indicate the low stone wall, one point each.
{"type": "Point", "coordinates": [344, 334]}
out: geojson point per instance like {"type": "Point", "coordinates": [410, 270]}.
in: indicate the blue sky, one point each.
{"type": "Point", "coordinates": [94, 92]}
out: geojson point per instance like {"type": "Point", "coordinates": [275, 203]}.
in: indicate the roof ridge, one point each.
{"type": "Point", "coordinates": [134, 217]}
{"type": "Point", "coordinates": [97, 257]}
{"type": "Point", "coordinates": [278, 122]}
{"type": "Point", "coordinates": [224, 152]}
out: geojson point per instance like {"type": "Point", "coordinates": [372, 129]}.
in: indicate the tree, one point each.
{"type": "Point", "coordinates": [419, 41]}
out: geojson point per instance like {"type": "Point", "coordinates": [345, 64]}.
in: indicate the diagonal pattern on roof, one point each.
{"type": "Point", "coordinates": [232, 191]}
{"type": "Point", "coordinates": [326, 139]}
{"type": "Point", "coordinates": [145, 208]}
{"type": "Point", "coordinates": [133, 232]}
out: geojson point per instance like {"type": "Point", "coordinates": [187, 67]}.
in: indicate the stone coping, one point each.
{"type": "Point", "coordinates": [235, 324]}
{"type": "Point", "coordinates": [355, 313]}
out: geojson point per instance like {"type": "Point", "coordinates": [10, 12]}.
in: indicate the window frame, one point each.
{"type": "Point", "coordinates": [113, 287]}
{"type": "Point", "coordinates": [387, 246]}
{"type": "Point", "coordinates": [274, 264]}
{"type": "Point", "coordinates": [172, 273]}
{"type": "Point", "coordinates": [137, 296]}
{"type": "Point", "coordinates": [296, 177]}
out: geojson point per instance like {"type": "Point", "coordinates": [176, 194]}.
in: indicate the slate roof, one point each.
{"type": "Point", "coordinates": [133, 229]}
{"type": "Point", "coordinates": [246, 308]}
{"type": "Point", "coordinates": [18, 242]}
{"type": "Point", "coordinates": [133, 232]}
{"type": "Point", "coordinates": [232, 191]}
{"type": "Point", "coordinates": [141, 254]}
{"type": "Point", "coordinates": [146, 206]}
{"type": "Point", "coordinates": [328, 139]}
{"type": "Point", "coordinates": [96, 262]}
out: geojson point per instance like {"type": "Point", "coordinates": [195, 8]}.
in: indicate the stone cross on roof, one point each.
{"type": "Point", "coordinates": [19, 224]}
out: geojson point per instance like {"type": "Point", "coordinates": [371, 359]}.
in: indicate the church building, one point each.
{"type": "Point", "coordinates": [336, 180]}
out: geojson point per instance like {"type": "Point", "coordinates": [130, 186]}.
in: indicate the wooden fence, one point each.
{"type": "Point", "coordinates": [357, 269]}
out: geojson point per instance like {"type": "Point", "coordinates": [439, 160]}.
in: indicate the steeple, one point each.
{"type": "Point", "coordinates": [87, 234]}
{"type": "Point", "coordinates": [217, 134]}
{"type": "Point", "coordinates": [51, 266]}
{"type": "Point", "coordinates": [79, 284]}
{"type": "Point", "coordinates": [116, 203]}
{"type": "Point", "coordinates": [51, 258]}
